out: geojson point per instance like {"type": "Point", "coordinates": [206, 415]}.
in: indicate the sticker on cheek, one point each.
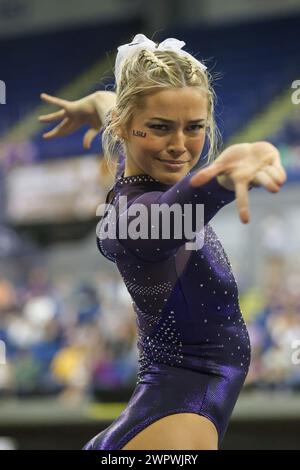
{"type": "Point", "coordinates": [139, 133]}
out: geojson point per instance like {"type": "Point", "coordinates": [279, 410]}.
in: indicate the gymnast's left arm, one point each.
{"type": "Point", "coordinates": [242, 165]}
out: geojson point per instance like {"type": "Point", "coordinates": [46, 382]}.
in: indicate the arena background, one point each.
{"type": "Point", "coordinates": [68, 358]}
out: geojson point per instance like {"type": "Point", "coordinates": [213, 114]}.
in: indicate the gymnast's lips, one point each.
{"type": "Point", "coordinates": [174, 162]}
{"type": "Point", "coordinates": [173, 165]}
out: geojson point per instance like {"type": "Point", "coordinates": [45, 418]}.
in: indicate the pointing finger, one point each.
{"type": "Point", "coordinates": [52, 116]}
{"type": "Point", "coordinates": [53, 99]}
{"type": "Point", "coordinates": [242, 200]}
{"type": "Point", "coordinates": [60, 130]}
{"type": "Point", "coordinates": [89, 137]}
{"type": "Point", "coordinates": [266, 180]}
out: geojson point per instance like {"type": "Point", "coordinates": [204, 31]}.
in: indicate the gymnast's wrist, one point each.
{"type": "Point", "coordinates": [103, 101]}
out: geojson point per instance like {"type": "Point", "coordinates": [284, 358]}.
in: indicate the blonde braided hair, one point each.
{"type": "Point", "coordinates": [144, 73]}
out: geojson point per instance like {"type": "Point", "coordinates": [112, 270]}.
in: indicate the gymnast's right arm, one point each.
{"type": "Point", "coordinates": [90, 110]}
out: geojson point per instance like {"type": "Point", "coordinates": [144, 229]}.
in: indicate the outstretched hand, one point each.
{"type": "Point", "coordinates": [74, 114]}
{"type": "Point", "coordinates": [240, 165]}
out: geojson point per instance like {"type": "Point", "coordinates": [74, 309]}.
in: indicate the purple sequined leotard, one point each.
{"type": "Point", "coordinates": [194, 349]}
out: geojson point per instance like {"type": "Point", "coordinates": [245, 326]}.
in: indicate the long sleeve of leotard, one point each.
{"type": "Point", "coordinates": [212, 195]}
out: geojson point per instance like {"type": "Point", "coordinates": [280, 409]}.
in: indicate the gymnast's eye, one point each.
{"type": "Point", "coordinates": [199, 126]}
{"type": "Point", "coordinates": [159, 126]}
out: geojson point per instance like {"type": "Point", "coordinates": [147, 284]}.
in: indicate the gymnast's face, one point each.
{"type": "Point", "coordinates": [166, 135]}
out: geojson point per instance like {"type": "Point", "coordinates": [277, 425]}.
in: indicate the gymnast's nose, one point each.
{"type": "Point", "coordinates": [177, 145]}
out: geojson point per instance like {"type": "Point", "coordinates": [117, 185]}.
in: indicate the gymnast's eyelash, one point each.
{"type": "Point", "coordinates": [153, 126]}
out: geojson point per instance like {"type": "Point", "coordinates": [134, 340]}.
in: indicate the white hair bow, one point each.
{"type": "Point", "coordinates": [140, 41]}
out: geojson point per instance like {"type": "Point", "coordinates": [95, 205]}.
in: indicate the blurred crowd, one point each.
{"type": "Point", "coordinates": [272, 311]}
{"type": "Point", "coordinates": [273, 320]}
{"type": "Point", "coordinates": [287, 139]}
{"type": "Point", "coordinates": [75, 340]}
{"type": "Point", "coordinates": [66, 339]}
